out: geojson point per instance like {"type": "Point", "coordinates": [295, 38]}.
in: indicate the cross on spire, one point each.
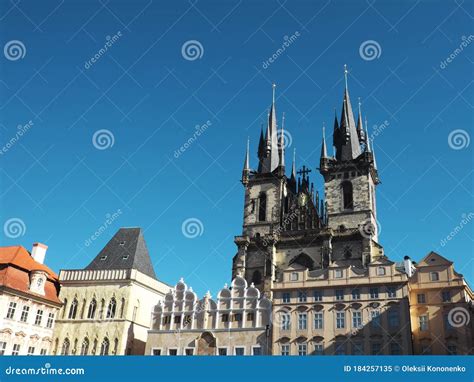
{"type": "Point", "coordinates": [304, 171]}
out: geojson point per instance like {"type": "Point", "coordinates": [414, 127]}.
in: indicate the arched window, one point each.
{"type": "Point", "coordinates": [92, 309]}
{"type": "Point", "coordinates": [256, 277]}
{"type": "Point", "coordinates": [73, 309]}
{"type": "Point", "coordinates": [111, 308]}
{"type": "Point", "coordinates": [122, 308]}
{"type": "Point", "coordinates": [102, 308]}
{"type": "Point", "coordinates": [85, 346]}
{"type": "Point", "coordinates": [104, 348]}
{"type": "Point", "coordinates": [262, 207]}
{"type": "Point", "coordinates": [94, 348]}
{"type": "Point", "coordinates": [66, 346]}
{"type": "Point", "coordinates": [64, 307]}
{"type": "Point", "coordinates": [347, 197]}
{"type": "Point", "coordinates": [116, 342]}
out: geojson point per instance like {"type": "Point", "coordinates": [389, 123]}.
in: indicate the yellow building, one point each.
{"type": "Point", "coordinates": [440, 308]}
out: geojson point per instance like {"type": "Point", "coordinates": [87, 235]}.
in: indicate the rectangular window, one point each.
{"type": "Point", "coordinates": [31, 350]}
{"type": "Point", "coordinates": [189, 351]}
{"type": "Point", "coordinates": [238, 317]}
{"type": "Point", "coordinates": [24, 314]}
{"type": "Point", "coordinates": [49, 323]}
{"type": "Point", "coordinates": [376, 348]}
{"type": "Point", "coordinates": [423, 323]}
{"type": "Point", "coordinates": [285, 349]}
{"type": "Point", "coordinates": [286, 298]}
{"type": "Point", "coordinates": [16, 349]}
{"type": "Point", "coordinates": [3, 346]}
{"type": "Point", "coordinates": [446, 295]}
{"type": "Point", "coordinates": [11, 310]}
{"type": "Point", "coordinates": [294, 276]}
{"type": "Point", "coordinates": [395, 348]}
{"type": "Point", "coordinates": [338, 273]}
{"type": "Point", "coordinates": [225, 317]}
{"type": "Point", "coordinates": [391, 292]}
{"type": "Point", "coordinates": [173, 351]}
{"type": "Point", "coordinates": [39, 317]}
{"type": "Point", "coordinates": [421, 298]}
{"type": "Point", "coordinates": [357, 348]}
{"type": "Point", "coordinates": [302, 349]}
{"type": "Point", "coordinates": [222, 351]}
{"type": "Point", "coordinates": [177, 319]}
{"type": "Point", "coordinates": [239, 350]}
{"type": "Point", "coordinates": [302, 321]}
{"type": "Point", "coordinates": [318, 320]}
{"type": "Point", "coordinates": [285, 321]}
{"type": "Point", "coordinates": [357, 320]}
{"type": "Point", "coordinates": [374, 292]}
{"type": "Point", "coordinates": [301, 296]}
{"type": "Point", "coordinates": [340, 320]}
{"type": "Point", "coordinates": [43, 352]}
{"type": "Point", "coordinates": [318, 349]}
{"type": "Point", "coordinates": [375, 318]}
{"type": "Point", "coordinates": [256, 350]}
{"type": "Point", "coordinates": [356, 294]}
{"type": "Point", "coordinates": [381, 271]}
{"type": "Point", "coordinates": [434, 276]}
{"type": "Point", "coordinates": [339, 294]}
{"type": "Point", "coordinates": [156, 352]}
{"type": "Point", "coordinates": [250, 316]}
{"type": "Point", "coordinates": [318, 295]}
{"type": "Point", "coordinates": [393, 318]}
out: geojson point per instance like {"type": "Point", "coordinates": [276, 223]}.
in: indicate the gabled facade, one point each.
{"type": "Point", "coordinates": [441, 307]}
{"type": "Point", "coordinates": [108, 305]}
{"type": "Point", "coordinates": [29, 301]}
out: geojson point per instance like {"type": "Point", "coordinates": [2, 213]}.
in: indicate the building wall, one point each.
{"type": "Point", "coordinates": [240, 318]}
{"type": "Point", "coordinates": [135, 295]}
{"type": "Point", "coordinates": [441, 325]}
{"type": "Point", "coordinates": [368, 335]}
{"type": "Point", "coordinates": [25, 334]}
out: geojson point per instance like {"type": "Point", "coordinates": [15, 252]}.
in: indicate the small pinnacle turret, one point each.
{"type": "Point", "coordinates": [246, 169]}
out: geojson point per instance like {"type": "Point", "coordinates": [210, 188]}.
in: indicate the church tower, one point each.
{"type": "Point", "coordinates": [350, 178]}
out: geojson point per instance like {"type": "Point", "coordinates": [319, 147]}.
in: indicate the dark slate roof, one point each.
{"type": "Point", "coordinates": [126, 250]}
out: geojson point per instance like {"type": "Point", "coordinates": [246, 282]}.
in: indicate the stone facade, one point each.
{"type": "Point", "coordinates": [342, 310]}
{"type": "Point", "coordinates": [442, 314]}
{"type": "Point", "coordinates": [237, 323]}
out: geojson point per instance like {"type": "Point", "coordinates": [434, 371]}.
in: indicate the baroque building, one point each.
{"type": "Point", "coordinates": [442, 314]}
{"type": "Point", "coordinates": [29, 301]}
{"type": "Point", "coordinates": [108, 305]}
{"type": "Point", "coordinates": [236, 323]}
{"type": "Point", "coordinates": [286, 221]}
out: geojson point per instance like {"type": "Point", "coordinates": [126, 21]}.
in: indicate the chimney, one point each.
{"type": "Point", "coordinates": [408, 265]}
{"type": "Point", "coordinates": [38, 252]}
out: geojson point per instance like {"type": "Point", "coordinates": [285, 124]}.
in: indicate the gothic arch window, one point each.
{"type": "Point", "coordinates": [66, 346]}
{"type": "Point", "coordinates": [111, 308]}
{"type": "Point", "coordinates": [83, 307]}
{"type": "Point", "coordinates": [102, 308]}
{"type": "Point", "coordinates": [262, 207]}
{"type": "Point", "coordinates": [92, 309]}
{"type": "Point", "coordinates": [256, 277]}
{"type": "Point", "coordinates": [104, 348]}
{"type": "Point", "coordinates": [64, 307]}
{"type": "Point", "coordinates": [116, 342]}
{"type": "Point", "coordinates": [347, 195]}
{"type": "Point", "coordinates": [85, 346]}
{"type": "Point", "coordinates": [122, 308]}
{"type": "Point", "coordinates": [304, 260]}
{"type": "Point", "coordinates": [73, 309]}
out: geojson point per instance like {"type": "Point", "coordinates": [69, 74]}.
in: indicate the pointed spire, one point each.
{"type": "Point", "coordinates": [282, 142]}
{"type": "Point", "coordinates": [345, 77]}
{"type": "Point", "coordinates": [272, 159]}
{"type": "Point", "coordinates": [360, 126]}
{"type": "Point", "coordinates": [324, 152]}
{"type": "Point", "coordinates": [246, 169]}
{"type": "Point", "coordinates": [293, 166]}
{"type": "Point", "coordinates": [367, 143]}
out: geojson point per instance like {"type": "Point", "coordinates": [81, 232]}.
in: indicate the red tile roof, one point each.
{"type": "Point", "coordinates": [15, 265]}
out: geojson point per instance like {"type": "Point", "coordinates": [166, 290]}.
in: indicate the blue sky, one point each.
{"type": "Point", "coordinates": [150, 97]}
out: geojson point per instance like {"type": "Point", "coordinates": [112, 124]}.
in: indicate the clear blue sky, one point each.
{"type": "Point", "coordinates": [151, 98]}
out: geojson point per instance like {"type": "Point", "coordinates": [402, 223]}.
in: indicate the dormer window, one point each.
{"type": "Point", "coordinates": [338, 273]}
{"type": "Point", "coordinates": [125, 257]}
{"type": "Point", "coordinates": [103, 258]}
{"type": "Point", "coordinates": [380, 271]}
{"type": "Point", "coordinates": [294, 276]}
{"type": "Point", "coordinates": [122, 243]}
{"type": "Point", "coordinates": [37, 282]}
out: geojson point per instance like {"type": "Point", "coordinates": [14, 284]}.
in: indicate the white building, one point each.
{"type": "Point", "coordinates": [108, 305]}
{"type": "Point", "coordinates": [28, 301]}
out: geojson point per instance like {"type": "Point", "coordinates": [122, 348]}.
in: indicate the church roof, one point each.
{"type": "Point", "coordinates": [126, 250]}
